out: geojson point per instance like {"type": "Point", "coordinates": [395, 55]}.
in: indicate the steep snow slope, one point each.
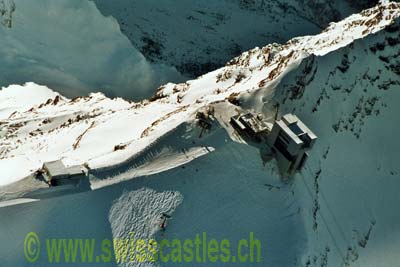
{"type": "Point", "coordinates": [350, 99]}
{"type": "Point", "coordinates": [340, 211]}
{"type": "Point", "coordinates": [72, 129]}
{"type": "Point", "coordinates": [199, 36]}
{"type": "Point", "coordinates": [71, 47]}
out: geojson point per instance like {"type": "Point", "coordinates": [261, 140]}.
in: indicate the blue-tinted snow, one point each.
{"type": "Point", "coordinates": [350, 100]}
{"type": "Point", "coordinates": [224, 194]}
{"type": "Point", "coordinates": [70, 46]}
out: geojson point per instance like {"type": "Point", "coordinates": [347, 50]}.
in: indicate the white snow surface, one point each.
{"type": "Point", "coordinates": [163, 161]}
{"type": "Point", "coordinates": [103, 132]}
{"type": "Point", "coordinates": [136, 215]}
{"type": "Point", "coordinates": [17, 202]}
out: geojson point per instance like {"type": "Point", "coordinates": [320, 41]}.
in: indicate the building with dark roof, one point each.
{"type": "Point", "coordinates": [250, 125]}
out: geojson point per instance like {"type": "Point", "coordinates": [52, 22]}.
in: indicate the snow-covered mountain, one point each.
{"type": "Point", "coordinates": [60, 128]}
{"type": "Point", "coordinates": [340, 211]}
{"type": "Point", "coordinates": [115, 47]}
{"type": "Point", "coordinates": [350, 99]}
{"type": "Point", "coordinates": [199, 36]}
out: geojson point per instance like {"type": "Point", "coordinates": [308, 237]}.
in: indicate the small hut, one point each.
{"type": "Point", "coordinates": [55, 173]}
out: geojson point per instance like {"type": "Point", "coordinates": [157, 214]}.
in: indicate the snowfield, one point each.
{"type": "Point", "coordinates": [60, 128]}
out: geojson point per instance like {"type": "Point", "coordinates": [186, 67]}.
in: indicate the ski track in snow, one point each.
{"type": "Point", "coordinates": [161, 162]}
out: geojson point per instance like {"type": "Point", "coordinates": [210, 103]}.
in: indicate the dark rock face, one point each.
{"type": "Point", "coordinates": [362, 4]}
{"type": "Point", "coordinates": [152, 48]}
{"type": "Point", "coordinates": [7, 9]}
{"type": "Point", "coordinates": [197, 37]}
